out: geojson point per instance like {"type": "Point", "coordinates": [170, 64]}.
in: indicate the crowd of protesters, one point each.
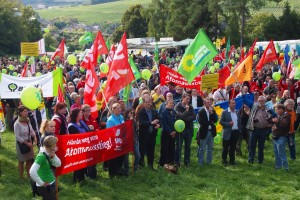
{"type": "Point", "coordinates": [273, 115]}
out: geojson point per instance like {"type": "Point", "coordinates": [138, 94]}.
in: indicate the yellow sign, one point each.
{"type": "Point", "coordinates": [218, 43]}
{"type": "Point", "coordinates": [209, 82]}
{"type": "Point", "coordinates": [29, 48]}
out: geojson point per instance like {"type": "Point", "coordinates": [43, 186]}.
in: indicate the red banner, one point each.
{"type": "Point", "coordinates": [168, 75]}
{"type": "Point", "coordinates": [78, 151]}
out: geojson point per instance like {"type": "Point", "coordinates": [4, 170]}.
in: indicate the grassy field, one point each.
{"type": "Point", "coordinates": [244, 181]}
{"type": "Point", "coordinates": [90, 14]}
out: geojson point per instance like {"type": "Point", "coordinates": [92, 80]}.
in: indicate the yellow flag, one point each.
{"type": "Point", "coordinates": [242, 73]}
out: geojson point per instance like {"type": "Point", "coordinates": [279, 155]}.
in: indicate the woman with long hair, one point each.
{"type": "Point", "coordinates": [61, 125]}
{"type": "Point", "coordinates": [24, 132]}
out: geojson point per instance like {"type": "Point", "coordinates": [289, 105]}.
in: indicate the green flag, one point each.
{"type": "Point", "coordinates": [198, 54]}
{"type": "Point", "coordinates": [156, 53]}
{"type": "Point", "coordinates": [108, 44]}
{"type": "Point", "coordinates": [297, 72]}
{"type": "Point", "coordinates": [135, 70]}
{"type": "Point", "coordinates": [227, 49]}
{"type": "Point", "coordinates": [277, 47]}
{"type": "Point", "coordinates": [126, 92]}
{"type": "Point", "coordinates": [296, 62]}
{"type": "Point", "coordinates": [86, 38]}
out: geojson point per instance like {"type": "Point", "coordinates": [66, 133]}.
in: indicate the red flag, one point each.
{"type": "Point", "coordinates": [24, 71]}
{"type": "Point", "coordinates": [224, 74]}
{"type": "Point", "coordinates": [59, 51]}
{"type": "Point", "coordinates": [120, 73]}
{"type": "Point", "coordinates": [251, 50]}
{"type": "Point", "coordinates": [60, 96]}
{"type": "Point", "coordinates": [110, 56]}
{"type": "Point", "coordinates": [268, 56]}
{"type": "Point", "coordinates": [98, 48]}
{"type": "Point", "coordinates": [220, 57]}
{"type": "Point", "coordinates": [90, 88]}
{"type": "Point", "coordinates": [242, 54]}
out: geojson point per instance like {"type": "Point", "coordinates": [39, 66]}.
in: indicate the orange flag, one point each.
{"type": "Point", "coordinates": [223, 41]}
{"type": "Point", "coordinates": [242, 72]}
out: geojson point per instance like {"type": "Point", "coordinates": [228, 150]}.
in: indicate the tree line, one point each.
{"type": "Point", "coordinates": [237, 19]}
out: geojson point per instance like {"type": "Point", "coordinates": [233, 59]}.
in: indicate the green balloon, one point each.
{"type": "Point", "coordinates": [218, 139]}
{"type": "Point", "coordinates": [11, 67]}
{"type": "Point", "coordinates": [46, 59]}
{"type": "Point", "coordinates": [46, 30]}
{"type": "Point", "coordinates": [72, 59]}
{"type": "Point", "coordinates": [4, 71]}
{"type": "Point", "coordinates": [31, 97]}
{"type": "Point", "coordinates": [146, 74]}
{"type": "Point", "coordinates": [15, 74]}
{"type": "Point", "coordinates": [38, 74]}
{"type": "Point", "coordinates": [254, 57]}
{"type": "Point", "coordinates": [290, 53]}
{"type": "Point", "coordinates": [237, 55]}
{"type": "Point", "coordinates": [212, 69]}
{"type": "Point", "coordinates": [276, 76]}
{"type": "Point", "coordinates": [22, 58]}
{"type": "Point", "coordinates": [31, 60]}
{"type": "Point", "coordinates": [232, 62]}
{"type": "Point", "coordinates": [217, 65]}
{"type": "Point", "coordinates": [179, 126]}
{"type": "Point", "coordinates": [104, 68]}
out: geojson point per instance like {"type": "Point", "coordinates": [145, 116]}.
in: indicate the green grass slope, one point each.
{"type": "Point", "coordinates": [89, 14]}
{"type": "Point", "coordinates": [243, 181]}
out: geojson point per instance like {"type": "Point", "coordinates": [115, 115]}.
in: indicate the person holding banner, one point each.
{"type": "Point", "coordinates": [41, 171]}
{"type": "Point", "coordinates": [75, 126]}
{"type": "Point", "coordinates": [60, 111]}
{"type": "Point", "coordinates": [115, 164]}
{"type": "Point", "coordinates": [24, 134]}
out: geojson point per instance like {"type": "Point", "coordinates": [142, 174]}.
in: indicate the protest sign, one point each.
{"type": "Point", "coordinates": [30, 48]}
{"type": "Point", "coordinates": [168, 75]}
{"type": "Point", "coordinates": [209, 82]}
{"type": "Point", "coordinates": [12, 86]}
{"type": "Point", "coordinates": [77, 151]}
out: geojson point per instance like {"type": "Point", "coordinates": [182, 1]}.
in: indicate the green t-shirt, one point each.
{"type": "Point", "coordinates": [44, 172]}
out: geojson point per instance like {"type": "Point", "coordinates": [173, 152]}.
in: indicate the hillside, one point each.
{"type": "Point", "coordinates": [90, 14]}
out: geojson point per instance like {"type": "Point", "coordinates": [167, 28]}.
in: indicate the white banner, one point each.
{"type": "Point", "coordinates": [11, 86]}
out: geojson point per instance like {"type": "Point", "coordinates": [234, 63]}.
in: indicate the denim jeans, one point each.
{"type": "Point", "coordinates": [137, 155]}
{"type": "Point", "coordinates": [279, 152]}
{"type": "Point", "coordinates": [291, 143]}
{"type": "Point", "coordinates": [257, 136]}
{"type": "Point", "coordinates": [186, 137]}
{"type": "Point", "coordinates": [206, 145]}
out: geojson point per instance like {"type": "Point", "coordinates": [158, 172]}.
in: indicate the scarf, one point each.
{"type": "Point", "coordinates": [23, 119]}
{"type": "Point", "coordinates": [293, 119]}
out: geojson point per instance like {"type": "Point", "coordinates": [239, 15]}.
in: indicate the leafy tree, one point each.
{"type": "Point", "coordinates": [186, 18]}
{"type": "Point", "coordinates": [258, 27]}
{"type": "Point", "coordinates": [232, 29]}
{"type": "Point", "coordinates": [17, 24]}
{"type": "Point", "coordinates": [134, 23]}
{"type": "Point", "coordinates": [49, 40]}
{"type": "Point", "coordinates": [117, 35]}
{"type": "Point", "coordinates": [157, 16]}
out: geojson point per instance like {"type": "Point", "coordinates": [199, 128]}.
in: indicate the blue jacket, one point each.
{"type": "Point", "coordinates": [168, 120]}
